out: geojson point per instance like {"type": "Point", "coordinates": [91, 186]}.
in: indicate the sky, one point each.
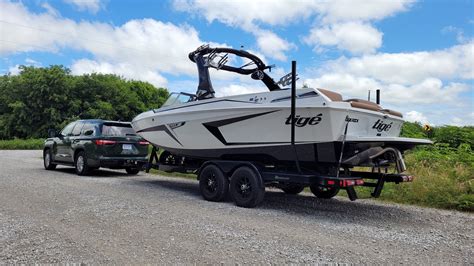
{"type": "Point", "coordinates": [420, 54]}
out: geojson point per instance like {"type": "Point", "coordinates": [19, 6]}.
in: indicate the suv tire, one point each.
{"type": "Point", "coordinates": [48, 160]}
{"type": "Point", "coordinates": [80, 164]}
{"type": "Point", "coordinates": [132, 170]}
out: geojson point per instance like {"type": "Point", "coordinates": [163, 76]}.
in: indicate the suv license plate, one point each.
{"type": "Point", "coordinates": [126, 146]}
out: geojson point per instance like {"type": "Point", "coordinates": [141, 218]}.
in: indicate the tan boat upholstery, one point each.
{"type": "Point", "coordinates": [333, 96]}
{"type": "Point", "coordinates": [363, 104]}
{"type": "Point", "coordinates": [359, 103]}
{"type": "Point", "coordinates": [392, 112]}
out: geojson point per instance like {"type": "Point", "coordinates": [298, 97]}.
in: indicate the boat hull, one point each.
{"type": "Point", "coordinates": [239, 127]}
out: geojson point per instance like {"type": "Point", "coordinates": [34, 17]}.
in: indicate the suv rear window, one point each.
{"type": "Point", "coordinates": [117, 130]}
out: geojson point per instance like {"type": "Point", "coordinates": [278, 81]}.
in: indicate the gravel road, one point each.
{"type": "Point", "coordinates": [110, 217]}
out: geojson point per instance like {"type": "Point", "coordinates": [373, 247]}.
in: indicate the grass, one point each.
{"type": "Point", "coordinates": [444, 178]}
{"type": "Point", "coordinates": [22, 144]}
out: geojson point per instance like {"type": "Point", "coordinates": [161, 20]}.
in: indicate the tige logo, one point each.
{"type": "Point", "coordinates": [381, 126]}
{"type": "Point", "coordinates": [303, 121]}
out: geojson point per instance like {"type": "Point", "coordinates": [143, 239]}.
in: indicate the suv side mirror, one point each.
{"type": "Point", "coordinates": [52, 133]}
{"type": "Point", "coordinates": [88, 132]}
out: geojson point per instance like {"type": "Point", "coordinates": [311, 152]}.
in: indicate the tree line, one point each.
{"type": "Point", "coordinates": [40, 98]}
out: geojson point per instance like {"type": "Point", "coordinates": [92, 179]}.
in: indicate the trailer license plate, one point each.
{"type": "Point", "coordinates": [126, 146]}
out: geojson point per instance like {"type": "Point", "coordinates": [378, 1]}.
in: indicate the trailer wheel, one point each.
{"type": "Point", "coordinates": [324, 192]}
{"type": "Point", "coordinates": [246, 187]}
{"type": "Point", "coordinates": [213, 184]}
{"type": "Point", "coordinates": [292, 189]}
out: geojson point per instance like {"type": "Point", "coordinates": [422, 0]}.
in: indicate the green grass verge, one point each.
{"type": "Point", "coordinates": [444, 178]}
{"type": "Point", "coordinates": [22, 144]}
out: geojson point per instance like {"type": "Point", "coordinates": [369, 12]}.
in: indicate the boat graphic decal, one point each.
{"type": "Point", "coordinates": [213, 126]}
{"type": "Point", "coordinates": [202, 103]}
{"type": "Point", "coordinates": [161, 128]}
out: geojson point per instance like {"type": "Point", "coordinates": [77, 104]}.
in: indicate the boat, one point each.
{"type": "Point", "coordinates": [324, 133]}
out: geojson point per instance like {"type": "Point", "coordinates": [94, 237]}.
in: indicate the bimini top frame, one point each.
{"type": "Point", "coordinates": [217, 58]}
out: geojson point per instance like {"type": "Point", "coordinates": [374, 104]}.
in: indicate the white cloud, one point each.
{"type": "Point", "coordinates": [146, 45]}
{"type": "Point", "coordinates": [51, 10]}
{"type": "Point", "coordinates": [414, 116]}
{"type": "Point", "coordinates": [126, 70]}
{"type": "Point", "coordinates": [360, 10]}
{"type": "Point", "coordinates": [273, 46]}
{"type": "Point", "coordinates": [428, 91]}
{"type": "Point", "coordinates": [456, 62]}
{"type": "Point", "coordinates": [247, 13]}
{"type": "Point", "coordinates": [355, 37]}
{"type": "Point", "coordinates": [14, 70]}
{"type": "Point", "coordinates": [341, 23]}
{"type": "Point", "coordinates": [92, 6]}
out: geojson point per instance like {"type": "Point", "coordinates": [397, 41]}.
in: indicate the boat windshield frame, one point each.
{"type": "Point", "coordinates": [177, 98]}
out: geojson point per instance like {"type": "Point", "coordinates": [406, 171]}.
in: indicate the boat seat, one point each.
{"type": "Point", "coordinates": [392, 112]}
{"type": "Point", "coordinates": [363, 104]}
{"type": "Point", "coordinates": [359, 103]}
{"type": "Point", "coordinates": [333, 96]}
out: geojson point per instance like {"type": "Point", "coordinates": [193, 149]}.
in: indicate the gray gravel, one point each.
{"type": "Point", "coordinates": [110, 217]}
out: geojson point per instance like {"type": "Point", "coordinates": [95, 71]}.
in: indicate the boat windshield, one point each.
{"type": "Point", "coordinates": [179, 98]}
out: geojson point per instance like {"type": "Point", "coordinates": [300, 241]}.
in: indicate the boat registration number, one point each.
{"type": "Point", "coordinates": [126, 146]}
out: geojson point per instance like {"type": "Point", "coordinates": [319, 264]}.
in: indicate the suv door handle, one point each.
{"type": "Point", "coordinates": [75, 141]}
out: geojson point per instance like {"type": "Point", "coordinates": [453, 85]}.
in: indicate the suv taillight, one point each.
{"type": "Point", "coordinates": [143, 142]}
{"type": "Point", "coordinates": [104, 142]}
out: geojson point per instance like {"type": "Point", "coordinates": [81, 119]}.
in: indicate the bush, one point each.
{"type": "Point", "coordinates": [22, 144]}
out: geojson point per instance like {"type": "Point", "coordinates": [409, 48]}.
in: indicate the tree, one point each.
{"type": "Point", "coordinates": [41, 98]}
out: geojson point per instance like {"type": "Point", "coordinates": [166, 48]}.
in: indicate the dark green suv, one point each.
{"type": "Point", "coordinates": [90, 144]}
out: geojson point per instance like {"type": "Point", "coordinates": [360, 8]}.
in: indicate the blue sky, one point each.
{"type": "Point", "coordinates": [419, 53]}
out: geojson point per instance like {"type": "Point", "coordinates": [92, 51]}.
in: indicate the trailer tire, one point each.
{"type": "Point", "coordinates": [292, 189]}
{"type": "Point", "coordinates": [323, 192]}
{"type": "Point", "coordinates": [246, 187]}
{"type": "Point", "coordinates": [213, 184]}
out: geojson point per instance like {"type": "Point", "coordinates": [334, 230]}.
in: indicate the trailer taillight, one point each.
{"type": "Point", "coordinates": [143, 142]}
{"type": "Point", "coordinates": [104, 142]}
{"type": "Point", "coordinates": [350, 183]}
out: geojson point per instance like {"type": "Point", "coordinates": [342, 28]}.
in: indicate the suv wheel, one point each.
{"type": "Point", "coordinates": [132, 170]}
{"type": "Point", "coordinates": [80, 163]}
{"type": "Point", "coordinates": [48, 160]}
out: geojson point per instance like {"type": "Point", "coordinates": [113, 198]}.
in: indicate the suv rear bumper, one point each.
{"type": "Point", "coordinates": [118, 162]}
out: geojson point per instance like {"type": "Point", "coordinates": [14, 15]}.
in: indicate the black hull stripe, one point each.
{"type": "Point", "coordinates": [213, 127]}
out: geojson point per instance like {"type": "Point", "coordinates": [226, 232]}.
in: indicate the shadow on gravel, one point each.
{"type": "Point", "coordinates": [94, 173]}
{"type": "Point", "coordinates": [334, 210]}
{"type": "Point", "coordinates": [192, 189]}
{"type": "Point", "coordinates": [337, 210]}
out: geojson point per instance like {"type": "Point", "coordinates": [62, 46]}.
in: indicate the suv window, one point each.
{"type": "Point", "coordinates": [90, 126]}
{"type": "Point", "coordinates": [110, 129]}
{"type": "Point", "coordinates": [68, 129]}
{"type": "Point", "coordinates": [77, 129]}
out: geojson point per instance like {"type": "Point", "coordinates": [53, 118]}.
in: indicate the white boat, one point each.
{"type": "Point", "coordinates": [257, 126]}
